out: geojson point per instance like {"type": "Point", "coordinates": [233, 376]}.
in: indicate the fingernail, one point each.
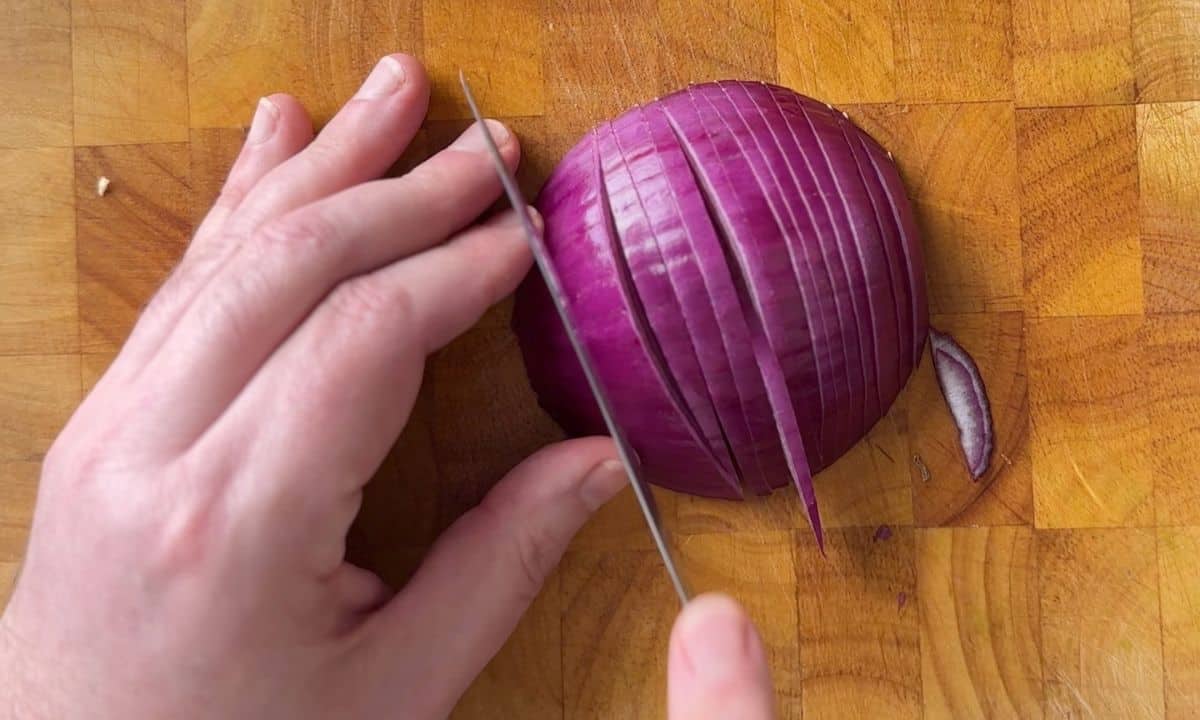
{"type": "Point", "coordinates": [472, 140]}
{"type": "Point", "coordinates": [535, 217]}
{"type": "Point", "coordinates": [385, 79]}
{"type": "Point", "coordinates": [602, 483]}
{"type": "Point", "coordinates": [266, 117]}
{"type": "Point", "coordinates": [715, 636]}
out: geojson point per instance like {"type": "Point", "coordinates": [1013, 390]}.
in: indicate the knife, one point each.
{"type": "Point", "coordinates": [628, 457]}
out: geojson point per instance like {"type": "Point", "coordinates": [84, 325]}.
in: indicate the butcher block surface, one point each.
{"type": "Point", "coordinates": [1052, 150]}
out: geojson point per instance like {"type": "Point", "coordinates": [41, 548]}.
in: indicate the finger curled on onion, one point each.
{"type": "Point", "coordinates": [743, 267]}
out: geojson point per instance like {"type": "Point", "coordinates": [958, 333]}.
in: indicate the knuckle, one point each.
{"type": "Point", "coordinates": [303, 232]}
{"type": "Point", "coordinates": [534, 547]}
{"type": "Point", "coordinates": [363, 301]}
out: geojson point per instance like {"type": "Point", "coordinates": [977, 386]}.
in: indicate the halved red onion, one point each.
{"type": "Point", "coordinates": [747, 274]}
{"type": "Point", "coordinates": [962, 386]}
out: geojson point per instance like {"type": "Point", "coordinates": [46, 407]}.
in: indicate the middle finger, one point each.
{"type": "Point", "coordinates": [291, 264]}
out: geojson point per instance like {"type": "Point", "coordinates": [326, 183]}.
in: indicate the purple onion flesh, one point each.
{"type": "Point", "coordinates": [743, 266]}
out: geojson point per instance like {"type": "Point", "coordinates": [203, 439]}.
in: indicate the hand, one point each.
{"type": "Point", "coordinates": [187, 552]}
{"type": "Point", "coordinates": [717, 667]}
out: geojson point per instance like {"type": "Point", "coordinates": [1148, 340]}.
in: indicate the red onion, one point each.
{"type": "Point", "coordinates": [744, 268]}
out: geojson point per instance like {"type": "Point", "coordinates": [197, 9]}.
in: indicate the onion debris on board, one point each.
{"type": "Point", "coordinates": [962, 387]}
{"type": "Point", "coordinates": [743, 266]}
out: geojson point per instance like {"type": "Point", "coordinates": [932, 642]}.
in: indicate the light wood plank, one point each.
{"type": "Point", "coordinates": [1079, 211]}
{"type": "Point", "coordinates": [980, 623]}
{"type": "Point", "coordinates": [1091, 435]}
{"type": "Point", "coordinates": [1100, 624]}
{"type": "Point", "coordinates": [38, 308]}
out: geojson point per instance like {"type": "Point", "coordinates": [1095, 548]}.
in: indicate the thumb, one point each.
{"type": "Point", "coordinates": [717, 665]}
{"type": "Point", "coordinates": [482, 574]}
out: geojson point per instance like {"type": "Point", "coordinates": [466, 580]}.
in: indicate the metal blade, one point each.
{"type": "Point", "coordinates": [540, 255]}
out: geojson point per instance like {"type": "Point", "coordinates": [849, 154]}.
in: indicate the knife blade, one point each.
{"type": "Point", "coordinates": [542, 258]}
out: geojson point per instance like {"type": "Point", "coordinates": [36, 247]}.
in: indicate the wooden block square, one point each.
{"type": "Point", "coordinates": [1168, 164]}
{"type": "Point", "coordinates": [38, 393]}
{"type": "Point", "coordinates": [837, 52]}
{"type": "Point", "coordinates": [18, 490]}
{"type": "Point", "coordinates": [980, 622]}
{"type": "Point", "coordinates": [1179, 585]}
{"type": "Point", "coordinates": [1079, 211]}
{"type": "Point", "coordinates": [129, 239]}
{"type": "Point", "coordinates": [601, 64]}
{"type": "Point", "coordinates": [953, 51]}
{"type": "Point", "coordinates": [1100, 624]}
{"type": "Point", "coordinates": [212, 152]}
{"type": "Point", "coordinates": [942, 489]}
{"type": "Point", "coordinates": [1091, 435]}
{"type": "Point", "coordinates": [37, 252]}
{"type": "Point", "coordinates": [1173, 371]}
{"type": "Point", "coordinates": [524, 679]}
{"type": "Point", "coordinates": [859, 641]}
{"type": "Point", "coordinates": [617, 612]}
{"type": "Point", "coordinates": [959, 164]}
{"type": "Point", "coordinates": [715, 41]}
{"type": "Point", "coordinates": [498, 45]}
{"type": "Point", "coordinates": [1166, 41]}
{"type": "Point", "coordinates": [35, 74]}
{"type": "Point", "coordinates": [1072, 53]}
{"type": "Point", "coordinates": [318, 51]}
{"type": "Point", "coordinates": [130, 71]}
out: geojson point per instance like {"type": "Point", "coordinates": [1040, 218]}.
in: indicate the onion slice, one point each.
{"type": "Point", "coordinates": [962, 387]}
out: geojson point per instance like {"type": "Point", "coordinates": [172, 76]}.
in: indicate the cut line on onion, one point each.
{"type": "Point", "coordinates": [962, 387]}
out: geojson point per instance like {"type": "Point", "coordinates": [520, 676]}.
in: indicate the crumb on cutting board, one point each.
{"type": "Point", "coordinates": [102, 185]}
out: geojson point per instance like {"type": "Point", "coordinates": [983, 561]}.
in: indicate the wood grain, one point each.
{"type": "Point", "coordinates": [1173, 385]}
{"type": "Point", "coordinates": [837, 52]}
{"type": "Point", "coordinates": [617, 612]}
{"type": "Point", "coordinates": [1166, 41]}
{"type": "Point", "coordinates": [953, 50]}
{"type": "Point", "coordinates": [35, 74]}
{"type": "Point", "coordinates": [1178, 557]}
{"type": "Point", "coordinates": [859, 643]}
{"type": "Point", "coordinates": [980, 623]}
{"type": "Point", "coordinates": [130, 238]}
{"type": "Point", "coordinates": [1051, 150]}
{"type": "Point", "coordinates": [1072, 53]}
{"type": "Point", "coordinates": [502, 45]}
{"type": "Point", "coordinates": [1169, 162]}
{"type": "Point", "coordinates": [1101, 649]}
{"type": "Point", "coordinates": [129, 72]}
{"type": "Point", "coordinates": [37, 395]}
{"type": "Point", "coordinates": [1091, 435]}
{"type": "Point", "coordinates": [959, 163]}
{"type": "Point", "coordinates": [37, 252]}
{"type": "Point", "coordinates": [1079, 211]}
{"type": "Point", "coordinates": [317, 50]}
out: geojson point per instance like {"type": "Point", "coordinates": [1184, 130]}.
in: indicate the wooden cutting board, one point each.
{"type": "Point", "coordinates": [1053, 152]}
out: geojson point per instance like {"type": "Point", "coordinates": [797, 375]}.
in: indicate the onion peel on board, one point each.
{"type": "Point", "coordinates": [747, 273]}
